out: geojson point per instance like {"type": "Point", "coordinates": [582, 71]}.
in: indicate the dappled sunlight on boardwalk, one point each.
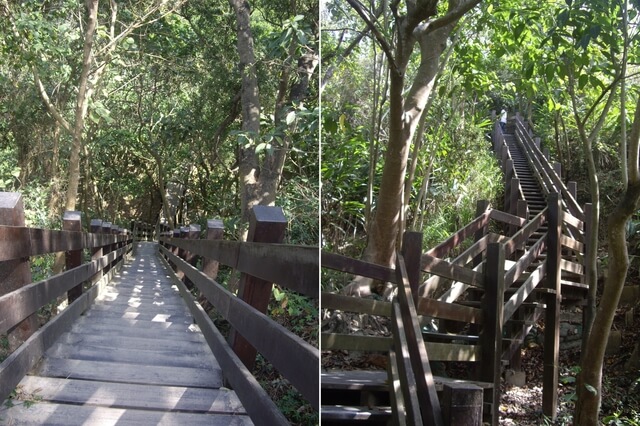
{"type": "Point", "coordinates": [135, 357]}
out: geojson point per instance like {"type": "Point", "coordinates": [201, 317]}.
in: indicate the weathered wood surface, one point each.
{"type": "Point", "coordinates": [135, 357]}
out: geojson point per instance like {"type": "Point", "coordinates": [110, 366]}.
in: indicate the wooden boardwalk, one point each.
{"type": "Point", "coordinates": [135, 357]}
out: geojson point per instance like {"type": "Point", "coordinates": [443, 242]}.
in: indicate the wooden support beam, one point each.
{"type": "Point", "coordinates": [215, 231]}
{"type": "Point", "coordinates": [412, 251]}
{"type": "Point", "coordinates": [72, 221]}
{"type": "Point", "coordinates": [266, 225]}
{"type": "Point", "coordinates": [15, 273]}
{"type": "Point", "coordinates": [462, 404]}
{"type": "Point", "coordinates": [491, 336]}
{"type": "Point", "coordinates": [552, 313]}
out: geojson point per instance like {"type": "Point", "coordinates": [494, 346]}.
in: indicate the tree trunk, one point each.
{"type": "Point", "coordinates": [404, 116]}
{"type": "Point", "coordinates": [82, 103]}
{"type": "Point", "coordinates": [589, 385]}
{"type": "Point", "coordinates": [248, 161]}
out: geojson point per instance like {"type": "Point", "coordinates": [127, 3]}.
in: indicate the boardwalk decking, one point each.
{"type": "Point", "coordinates": [135, 357]}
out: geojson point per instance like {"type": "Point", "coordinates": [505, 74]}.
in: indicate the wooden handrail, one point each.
{"type": "Point", "coordinates": [290, 266]}
{"type": "Point", "coordinates": [20, 242]}
{"type": "Point", "coordinates": [296, 360]}
{"type": "Point", "coordinates": [534, 154]}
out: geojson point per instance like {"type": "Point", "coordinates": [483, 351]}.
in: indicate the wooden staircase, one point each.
{"type": "Point", "coordinates": [486, 299]}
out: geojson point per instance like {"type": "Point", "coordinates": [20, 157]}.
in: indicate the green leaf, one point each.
{"type": "Point", "coordinates": [591, 389]}
{"type": "Point", "coordinates": [290, 117]}
{"type": "Point", "coordinates": [582, 81]}
{"type": "Point", "coordinates": [550, 70]}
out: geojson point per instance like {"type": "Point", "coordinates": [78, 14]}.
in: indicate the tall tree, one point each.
{"type": "Point", "coordinates": [420, 25]}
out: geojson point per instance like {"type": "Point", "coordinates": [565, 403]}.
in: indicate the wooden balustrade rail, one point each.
{"type": "Point", "coordinates": [260, 264]}
{"type": "Point", "coordinates": [81, 281]}
{"type": "Point", "coordinates": [550, 179]}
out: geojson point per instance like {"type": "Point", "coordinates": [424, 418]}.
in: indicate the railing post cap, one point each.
{"type": "Point", "coordinates": [272, 214]}
{"type": "Point", "coordinates": [96, 222]}
{"type": "Point", "coordinates": [215, 223]}
{"type": "Point", "coordinates": [194, 227]}
{"type": "Point", "coordinates": [9, 200]}
{"type": "Point", "coordinates": [72, 215]}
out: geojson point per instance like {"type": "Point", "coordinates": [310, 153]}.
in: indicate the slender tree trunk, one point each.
{"type": "Point", "coordinates": [589, 385]}
{"type": "Point", "coordinates": [404, 116]}
{"type": "Point", "coordinates": [250, 100]}
{"type": "Point", "coordinates": [82, 104]}
{"type": "Point", "coordinates": [623, 96]}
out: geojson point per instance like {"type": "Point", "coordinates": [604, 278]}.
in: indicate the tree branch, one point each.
{"type": "Point", "coordinates": [450, 17]}
{"type": "Point", "coordinates": [370, 21]}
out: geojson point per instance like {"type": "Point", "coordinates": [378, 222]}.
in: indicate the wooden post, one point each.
{"type": "Point", "coordinates": [71, 221]}
{"type": "Point", "coordinates": [266, 225]}
{"type": "Point", "coordinates": [552, 312]}
{"type": "Point", "coordinates": [546, 153]}
{"type": "Point", "coordinates": [508, 170]}
{"type": "Point", "coordinates": [412, 253]}
{"type": "Point", "coordinates": [15, 273]}
{"type": "Point", "coordinates": [491, 336]}
{"type": "Point", "coordinates": [106, 229]}
{"type": "Point", "coordinates": [513, 202]}
{"type": "Point", "coordinates": [193, 233]}
{"type": "Point", "coordinates": [557, 167]}
{"type": "Point", "coordinates": [215, 231]}
{"type": "Point", "coordinates": [522, 210]}
{"type": "Point", "coordinates": [572, 187]}
{"type": "Point", "coordinates": [96, 253]}
{"type": "Point", "coordinates": [462, 404]}
{"type": "Point", "coordinates": [481, 207]}
{"type": "Point", "coordinates": [536, 142]}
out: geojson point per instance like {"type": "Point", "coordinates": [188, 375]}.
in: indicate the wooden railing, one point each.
{"type": "Point", "coordinates": [142, 231]}
{"type": "Point", "coordinates": [547, 174]}
{"type": "Point", "coordinates": [261, 262]}
{"type": "Point", "coordinates": [482, 268]}
{"type": "Point", "coordinates": [513, 192]}
{"type": "Point", "coordinates": [20, 299]}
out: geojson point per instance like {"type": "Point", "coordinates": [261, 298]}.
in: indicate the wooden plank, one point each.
{"type": "Point", "coordinates": [148, 308]}
{"type": "Point", "coordinates": [56, 414]}
{"type": "Point", "coordinates": [524, 261]}
{"type": "Point", "coordinates": [524, 233]}
{"type": "Point", "coordinates": [436, 351]}
{"type": "Point", "coordinates": [572, 244]}
{"type": "Point", "coordinates": [473, 253]}
{"type": "Point", "coordinates": [458, 237]}
{"type": "Point", "coordinates": [523, 292]}
{"type": "Point", "coordinates": [294, 358]}
{"type": "Point", "coordinates": [409, 388]}
{"type": "Point", "coordinates": [255, 400]}
{"type": "Point", "coordinates": [291, 266]}
{"type": "Point", "coordinates": [127, 395]}
{"type": "Point", "coordinates": [377, 380]}
{"type": "Point", "coordinates": [355, 304]}
{"type": "Point", "coordinates": [29, 353]}
{"type": "Point", "coordinates": [171, 343]}
{"type": "Point", "coordinates": [17, 305]}
{"type": "Point", "coordinates": [429, 404]}
{"type": "Point", "coordinates": [346, 413]}
{"type": "Point", "coordinates": [144, 316]}
{"type": "Point", "coordinates": [357, 267]}
{"type": "Point", "coordinates": [552, 313]}
{"type": "Point", "coordinates": [453, 272]}
{"type": "Point", "coordinates": [34, 241]}
{"type": "Point", "coordinates": [134, 328]}
{"type": "Point", "coordinates": [398, 405]}
{"type": "Point", "coordinates": [437, 309]}
{"type": "Point", "coordinates": [131, 373]}
{"type": "Point", "coordinates": [507, 218]}
{"type": "Point", "coordinates": [491, 336]}
{"type": "Point", "coordinates": [573, 267]}
{"type": "Point", "coordinates": [167, 358]}
{"type": "Point", "coordinates": [352, 342]}
{"type": "Point", "coordinates": [572, 220]}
